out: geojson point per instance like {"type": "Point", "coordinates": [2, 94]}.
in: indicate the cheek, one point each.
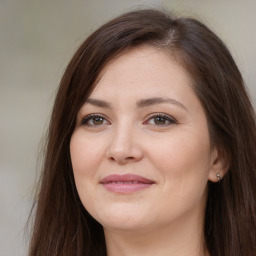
{"type": "Point", "coordinates": [86, 157]}
{"type": "Point", "coordinates": [184, 159]}
{"type": "Point", "coordinates": [85, 153]}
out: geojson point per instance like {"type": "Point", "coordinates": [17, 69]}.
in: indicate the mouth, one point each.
{"type": "Point", "coordinates": [125, 184]}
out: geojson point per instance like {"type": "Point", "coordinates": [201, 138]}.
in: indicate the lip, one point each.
{"type": "Point", "coordinates": [125, 184]}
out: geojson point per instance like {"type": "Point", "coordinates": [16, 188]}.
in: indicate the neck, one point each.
{"type": "Point", "coordinates": [182, 238]}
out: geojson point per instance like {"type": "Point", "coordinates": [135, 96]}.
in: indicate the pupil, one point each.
{"type": "Point", "coordinates": [159, 120]}
{"type": "Point", "coordinates": [97, 120]}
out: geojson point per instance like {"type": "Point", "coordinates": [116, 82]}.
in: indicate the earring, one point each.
{"type": "Point", "coordinates": [218, 177]}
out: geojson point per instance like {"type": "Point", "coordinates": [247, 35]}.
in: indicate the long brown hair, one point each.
{"type": "Point", "coordinates": [61, 224]}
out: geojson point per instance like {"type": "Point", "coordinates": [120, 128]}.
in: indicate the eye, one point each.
{"type": "Point", "coordinates": [160, 119]}
{"type": "Point", "coordinates": [94, 120]}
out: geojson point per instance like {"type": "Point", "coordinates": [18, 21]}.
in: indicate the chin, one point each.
{"type": "Point", "coordinates": [126, 226]}
{"type": "Point", "coordinates": [123, 219]}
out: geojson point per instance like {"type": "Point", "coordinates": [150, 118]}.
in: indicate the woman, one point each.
{"type": "Point", "coordinates": [151, 147]}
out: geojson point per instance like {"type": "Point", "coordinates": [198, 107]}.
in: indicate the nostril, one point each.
{"type": "Point", "coordinates": [122, 160]}
{"type": "Point", "coordinates": [130, 158]}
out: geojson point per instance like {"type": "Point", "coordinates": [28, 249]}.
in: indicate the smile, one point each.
{"type": "Point", "coordinates": [125, 184]}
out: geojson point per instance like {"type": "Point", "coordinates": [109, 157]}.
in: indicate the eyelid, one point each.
{"type": "Point", "coordinates": [168, 117]}
{"type": "Point", "coordinates": [86, 118]}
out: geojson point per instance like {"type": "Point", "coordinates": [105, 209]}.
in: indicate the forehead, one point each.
{"type": "Point", "coordinates": [143, 69]}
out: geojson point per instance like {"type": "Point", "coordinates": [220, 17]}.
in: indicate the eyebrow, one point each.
{"type": "Point", "coordinates": [140, 103]}
{"type": "Point", "coordinates": [158, 100]}
{"type": "Point", "coordinates": [98, 103]}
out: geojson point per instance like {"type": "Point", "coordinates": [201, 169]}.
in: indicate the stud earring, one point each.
{"type": "Point", "coordinates": [218, 177]}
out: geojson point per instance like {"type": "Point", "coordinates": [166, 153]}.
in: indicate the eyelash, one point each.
{"type": "Point", "coordinates": [169, 119]}
{"type": "Point", "coordinates": [86, 119]}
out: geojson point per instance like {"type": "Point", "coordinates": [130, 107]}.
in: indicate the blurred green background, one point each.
{"type": "Point", "coordinates": [37, 40]}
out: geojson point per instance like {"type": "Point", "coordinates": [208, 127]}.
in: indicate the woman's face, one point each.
{"type": "Point", "coordinates": [141, 150]}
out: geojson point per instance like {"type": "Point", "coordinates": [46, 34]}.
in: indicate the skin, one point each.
{"type": "Point", "coordinates": [129, 138]}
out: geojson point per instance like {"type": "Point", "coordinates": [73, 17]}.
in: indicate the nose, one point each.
{"type": "Point", "coordinates": [124, 146]}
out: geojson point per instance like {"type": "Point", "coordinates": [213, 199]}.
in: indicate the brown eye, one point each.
{"type": "Point", "coordinates": [160, 120]}
{"type": "Point", "coordinates": [97, 120]}
{"type": "Point", "coordinates": [94, 120]}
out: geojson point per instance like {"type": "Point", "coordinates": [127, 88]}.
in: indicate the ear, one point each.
{"type": "Point", "coordinates": [219, 165]}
